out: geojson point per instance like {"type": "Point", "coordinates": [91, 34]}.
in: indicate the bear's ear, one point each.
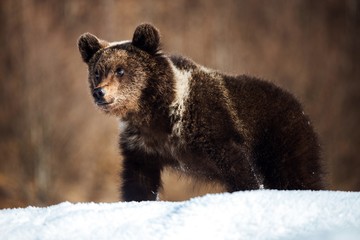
{"type": "Point", "coordinates": [89, 45]}
{"type": "Point", "coordinates": [147, 38]}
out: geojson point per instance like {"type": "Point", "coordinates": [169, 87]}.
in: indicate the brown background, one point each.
{"type": "Point", "coordinates": [56, 146]}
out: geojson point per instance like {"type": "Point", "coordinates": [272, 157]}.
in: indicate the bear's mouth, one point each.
{"type": "Point", "coordinates": [103, 103]}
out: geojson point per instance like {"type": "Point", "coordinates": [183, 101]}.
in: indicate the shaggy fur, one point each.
{"type": "Point", "coordinates": [241, 131]}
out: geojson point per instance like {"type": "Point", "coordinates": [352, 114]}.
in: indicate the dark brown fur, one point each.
{"type": "Point", "coordinates": [240, 131]}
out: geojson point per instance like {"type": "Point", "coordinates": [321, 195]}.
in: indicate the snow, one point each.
{"type": "Point", "coordinates": [261, 214]}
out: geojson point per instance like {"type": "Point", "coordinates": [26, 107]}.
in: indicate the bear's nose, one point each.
{"type": "Point", "coordinates": [99, 94]}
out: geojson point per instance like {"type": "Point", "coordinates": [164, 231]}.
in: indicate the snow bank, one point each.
{"type": "Point", "coordinates": [262, 214]}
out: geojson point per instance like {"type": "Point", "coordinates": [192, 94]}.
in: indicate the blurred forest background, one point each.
{"type": "Point", "coordinates": [56, 146]}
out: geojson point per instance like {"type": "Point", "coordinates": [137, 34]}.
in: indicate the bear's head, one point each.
{"type": "Point", "coordinates": [120, 71]}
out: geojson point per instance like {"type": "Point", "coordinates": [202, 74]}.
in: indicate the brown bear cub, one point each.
{"type": "Point", "coordinates": [241, 131]}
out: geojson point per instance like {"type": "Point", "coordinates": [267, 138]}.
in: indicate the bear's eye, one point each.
{"type": "Point", "coordinates": [97, 76]}
{"type": "Point", "coordinates": [119, 72]}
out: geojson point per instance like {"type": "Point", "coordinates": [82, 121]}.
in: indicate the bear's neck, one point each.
{"type": "Point", "coordinates": [155, 101]}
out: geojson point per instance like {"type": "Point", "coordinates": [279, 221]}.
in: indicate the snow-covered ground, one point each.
{"type": "Point", "coordinates": [263, 214]}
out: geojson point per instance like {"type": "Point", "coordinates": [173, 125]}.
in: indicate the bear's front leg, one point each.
{"type": "Point", "coordinates": [140, 176]}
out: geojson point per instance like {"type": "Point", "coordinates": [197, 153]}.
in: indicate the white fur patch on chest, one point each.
{"type": "Point", "coordinates": [133, 141]}
{"type": "Point", "coordinates": [122, 125]}
{"type": "Point", "coordinates": [138, 142]}
{"type": "Point", "coordinates": [182, 89]}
